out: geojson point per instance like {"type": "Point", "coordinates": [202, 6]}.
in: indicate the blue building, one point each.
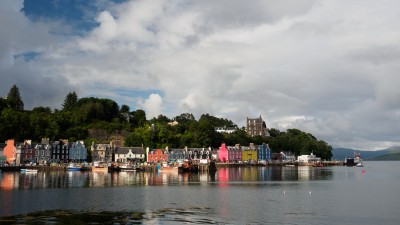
{"type": "Point", "coordinates": [77, 152]}
{"type": "Point", "coordinates": [264, 152]}
{"type": "Point", "coordinates": [176, 155]}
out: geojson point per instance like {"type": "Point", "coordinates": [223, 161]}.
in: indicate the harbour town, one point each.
{"type": "Point", "coordinates": [64, 155]}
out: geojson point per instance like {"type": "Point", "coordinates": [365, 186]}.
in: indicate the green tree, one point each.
{"type": "Point", "coordinates": [70, 101]}
{"type": "Point", "coordinates": [139, 118]}
{"type": "Point", "coordinates": [3, 104]}
{"type": "Point", "coordinates": [14, 99]}
{"type": "Point", "coordinates": [14, 125]}
{"type": "Point", "coordinates": [124, 109]}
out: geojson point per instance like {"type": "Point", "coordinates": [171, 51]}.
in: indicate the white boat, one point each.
{"type": "Point", "coordinates": [360, 164]}
{"type": "Point", "coordinates": [127, 168]}
{"type": "Point", "coordinates": [73, 167]}
{"type": "Point", "coordinates": [29, 171]}
{"type": "Point", "coordinates": [99, 167]}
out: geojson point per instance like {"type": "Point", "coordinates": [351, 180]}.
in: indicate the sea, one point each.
{"type": "Point", "coordinates": [237, 195]}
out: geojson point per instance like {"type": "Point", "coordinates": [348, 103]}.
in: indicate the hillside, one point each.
{"type": "Point", "coordinates": [342, 153]}
{"type": "Point", "coordinates": [393, 156]}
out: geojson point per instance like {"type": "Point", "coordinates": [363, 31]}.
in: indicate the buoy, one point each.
{"type": "Point", "coordinates": [363, 171]}
{"type": "Point", "coordinates": [309, 192]}
{"type": "Point", "coordinates": [284, 192]}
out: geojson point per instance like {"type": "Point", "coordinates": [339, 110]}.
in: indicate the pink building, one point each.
{"type": "Point", "coordinates": [223, 153]}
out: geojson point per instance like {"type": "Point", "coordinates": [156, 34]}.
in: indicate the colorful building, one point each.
{"type": "Point", "coordinates": [10, 152]}
{"type": "Point", "coordinates": [249, 154]}
{"type": "Point", "coordinates": [77, 152]}
{"type": "Point", "coordinates": [177, 155]}
{"type": "Point", "coordinates": [223, 153]}
{"type": "Point", "coordinates": [157, 156]}
{"type": "Point", "coordinates": [264, 152]}
{"type": "Point", "coordinates": [234, 153]}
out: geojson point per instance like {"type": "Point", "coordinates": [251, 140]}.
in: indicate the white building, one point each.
{"type": "Point", "coordinates": [308, 158]}
{"type": "Point", "coordinates": [225, 129]}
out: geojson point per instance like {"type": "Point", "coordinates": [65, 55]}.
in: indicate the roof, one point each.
{"type": "Point", "coordinates": [125, 150]}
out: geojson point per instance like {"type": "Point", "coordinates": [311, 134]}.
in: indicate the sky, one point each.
{"type": "Point", "coordinates": [326, 67]}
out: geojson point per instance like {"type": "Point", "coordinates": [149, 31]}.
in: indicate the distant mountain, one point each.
{"type": "Point", "coordinates": [393, 156]}
{"type": "Point", "coordinates": [342, 153]}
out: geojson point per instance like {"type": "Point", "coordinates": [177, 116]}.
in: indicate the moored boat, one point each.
{"type": "Point", "coordinates": [186, 167]}
{"type": "Point", "coordinates": [360, 164]}
{"type": "Point", "coordinates": [356, 161]}
{"type": "Point", "coordinates": [99, 167]}
{"type": "Point", "coordinates": [127, 168]}
{"type": "Point", "coordinates": [29, 170]}
{"type": "Point", "coordinates": [73, 167]}
{"type": "Point", "coordinates": [168, 169]}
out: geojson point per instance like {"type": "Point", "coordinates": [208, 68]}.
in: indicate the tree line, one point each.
{"type": "Point", "coordinates": [80, 115]}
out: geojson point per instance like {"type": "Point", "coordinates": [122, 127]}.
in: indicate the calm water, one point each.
{"type": "Point", "coordinates": [245, 195]}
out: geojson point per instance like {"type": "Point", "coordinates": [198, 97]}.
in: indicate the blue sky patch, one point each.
{"type": "Point", "coordinates": [80, 14]}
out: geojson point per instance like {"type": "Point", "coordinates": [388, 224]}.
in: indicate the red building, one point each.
{"type": "Point", "coordinates": [223, 153]}
{"type": "Point", "coordinates": [158, 155]}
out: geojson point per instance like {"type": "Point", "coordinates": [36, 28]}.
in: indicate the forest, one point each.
{"type": "Point", "coordinates": [83, 118]}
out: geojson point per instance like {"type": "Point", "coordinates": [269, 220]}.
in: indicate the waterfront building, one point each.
{"type": "Point", "coordinates": [101, 152]}
{"type": "Point", "coordinates": [2, 157]}
{"type": "Point", "coordinates": [308, 158]}
{"type": "Point", "coordinates": [10, 152]}
{"type": "Point", "coordinates": [129, 154]}
{"type": "Point", "coordinates": [77, 152]}
{"type": "Point", "coordinates": [199, 153]}
{"type": "Point", "coordinates": [27, 152]}
{"type": "Point", "coordinates": [249, 153]}
{"type": "Point", "coordinates": [223, 153]}
{"type": "Point", "coordinates": [288, 157]}
{"type": "Point", "coordinates": [157, 156]}
{"type": "Point", "coordinates": [43, 152]}
{"type": "Point", "coordinates": [256, 127]}
{"type": "Point", "coordinates": [264, 152]}
{"type": "Point", "coordinates": [60, 151]}
{"type": "Point", "coordinates": [177, 155]}
{"type": "Point", "coordinates": [234, 153]}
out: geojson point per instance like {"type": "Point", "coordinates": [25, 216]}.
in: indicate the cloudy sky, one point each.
{"type": "Point", "coordinates": [327, 67]}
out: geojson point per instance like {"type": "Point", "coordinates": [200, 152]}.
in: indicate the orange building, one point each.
{"type": "Point", "coordinates": [10, 151]}
{"type": "Point", "coordinates": [157, 156]}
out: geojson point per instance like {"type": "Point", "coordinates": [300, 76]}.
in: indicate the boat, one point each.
{"type": "Point", "coordinates": [127, 168]}
{"type": "Point", "coordinates": [99, 167]}
{"type": "Point", "coordinates": [29, 170]}
{"type": "Point", "coordinates": [167, 169]}
{"type": "Point", "coordinates": [353, 161]}
{"type": "Point", "coordinates": [186, 167]}
{"type": "Point", "coordinates": [73, 167]}
{"type": "Point", "coordinates": [360, 164]}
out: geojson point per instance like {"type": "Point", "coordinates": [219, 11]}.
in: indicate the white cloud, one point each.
{"type": "Point", "coordinates": [152, 105]}
{"type": "Point", "coordinates": [327, 67]}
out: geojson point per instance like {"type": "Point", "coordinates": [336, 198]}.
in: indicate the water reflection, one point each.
{"type": "Point", "coordinates": [224, 176]}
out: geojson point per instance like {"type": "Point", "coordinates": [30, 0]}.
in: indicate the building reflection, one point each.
{"type": "Point", "coordinates": [222, 177]}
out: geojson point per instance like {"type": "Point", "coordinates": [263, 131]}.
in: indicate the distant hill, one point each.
{"type": "Point", "coordinates": [342, 153]}
{"type": "Point", "coordinates": [393, 156]}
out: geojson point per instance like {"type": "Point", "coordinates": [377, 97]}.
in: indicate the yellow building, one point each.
{"type": "Point", "coordinates": [249, 154]}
